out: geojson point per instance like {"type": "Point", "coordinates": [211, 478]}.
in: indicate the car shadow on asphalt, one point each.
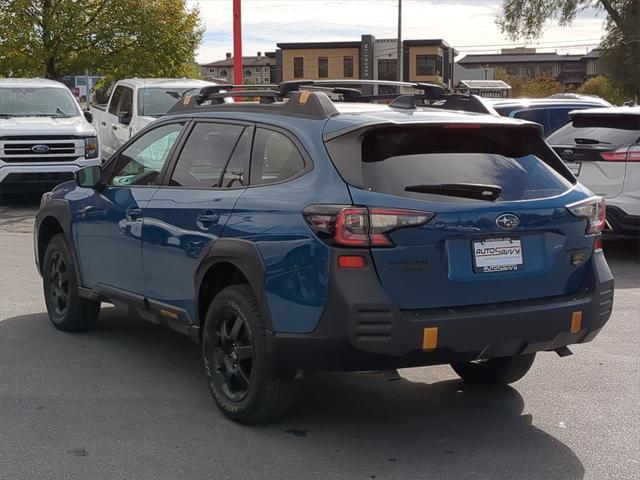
{"type": "Point", "coordinates": [345, 422]}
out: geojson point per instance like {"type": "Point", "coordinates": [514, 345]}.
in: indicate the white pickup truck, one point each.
{"type": "Point", "coordinates": [44, 135]}
{"type": "Point", "coordinates": [133, 104]}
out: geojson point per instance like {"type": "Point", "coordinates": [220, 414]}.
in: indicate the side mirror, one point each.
{"type": "Point", "coordinates": [124, 118]}
{"type": "Point", "coordinates": [89, 177]}
{"type": "Point", "coordinates": [88, 116]}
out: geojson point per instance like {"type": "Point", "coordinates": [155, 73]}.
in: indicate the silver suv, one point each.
{"type": "Point", "coordinates": [601, 146]}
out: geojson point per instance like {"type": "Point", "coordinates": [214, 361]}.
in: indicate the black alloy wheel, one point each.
{"type": "Point", "coordinates": [58, 284]}
{"type": "Point", "coordinates": [233, 356]}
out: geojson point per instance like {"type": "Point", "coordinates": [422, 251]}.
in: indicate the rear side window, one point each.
{"type": "Point", "coordinates": [571, 135]}
{"type": "Point", "coordinates": [274, 159]}
{"type": "Point", "coordinates": [538, 115]}
{"type": "Point", "coordinates": [205, 155]}
{"type": "Point", "coordinates": [392, 159]}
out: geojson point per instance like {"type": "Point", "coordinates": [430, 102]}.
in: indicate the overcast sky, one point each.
{"type": "Point", "coordinates": [467, 25]}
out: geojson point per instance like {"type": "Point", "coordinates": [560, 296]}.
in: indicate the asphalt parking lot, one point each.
{"type": "Point", "coordinates": [128, 401]}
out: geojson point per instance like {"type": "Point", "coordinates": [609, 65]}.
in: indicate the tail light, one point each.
{"type": "Point", "coordinates": [623, 154]}
{"type": "Point", "coordinates": [360, 226]}
{"type": "Point", "coordinates": [594, 210]}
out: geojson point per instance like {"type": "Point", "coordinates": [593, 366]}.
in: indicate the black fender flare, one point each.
{"type": "Point", "coordinates": [245, 256]}
{"type": "Point", "coordinates": [58, 209]}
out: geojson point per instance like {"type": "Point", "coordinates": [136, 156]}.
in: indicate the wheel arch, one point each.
{"type": "Point", "coordinates": [231, 262]}
{"type": "Point", "coordinates": [54, 218]}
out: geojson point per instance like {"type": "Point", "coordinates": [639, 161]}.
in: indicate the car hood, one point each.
{"type": "Point", "coordinates": [46, 126]}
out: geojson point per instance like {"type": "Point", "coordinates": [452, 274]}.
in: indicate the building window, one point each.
{"type": "Point", "coordinates": [247, 72]}
{"type": "Point", "coordinates": [387, 69]}
{"type": "Point", "coordinates": [298, 67]}
{"type": "Point", "coordinates": [212, 71]}
{"type": "Point", "coordinates": [323, 67]}
{"type": "Point", "coordinates": [265, 69]}
{"type": "Point", "coordinates": [428, 65]}
{"type": "Point", "coordinates": [511, 69]}
{"type": "Point", "coordinates": [546, 70]}
{"type": "Point", "coordinates": [529, 70]}
{"type": "Point", "coordinates": [223, 72]}
{"type": "Point", "coordinates": [257, 69]}
{"type": "Point", "coordinates": [266, 79]}
{"type": "Point", "coordinates": [347, 67]}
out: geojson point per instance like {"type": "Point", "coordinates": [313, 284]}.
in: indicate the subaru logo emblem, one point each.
{"type": "Point", "coordinates": [507, 221]}
{"type": "Point", "coordinates": [40, 148]}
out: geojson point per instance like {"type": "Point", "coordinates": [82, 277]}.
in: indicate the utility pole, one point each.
{"type": "Point", "coordinates": [399, 60]}
{"type": "Point", "coordinates": [237, 44]}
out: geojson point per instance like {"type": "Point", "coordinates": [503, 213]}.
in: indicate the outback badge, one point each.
{"type": "Point", "coordinates": [507, 221]}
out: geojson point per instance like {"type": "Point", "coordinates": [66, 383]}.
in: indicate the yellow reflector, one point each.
{"type": "Point", "coordinates": [430, 338]}
{"type": "Point", "coordinates": [304, 96]}
{"type": "Point", "coordinates": [576, 321]}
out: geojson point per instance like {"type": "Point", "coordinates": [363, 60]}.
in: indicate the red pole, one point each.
{"type": "Point", "coordinates": [237, 44]}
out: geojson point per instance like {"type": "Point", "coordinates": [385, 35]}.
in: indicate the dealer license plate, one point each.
{"type": "Point", "coordinates": [497, 255]}
{"type": "Point", "coordinates": [574, 167]}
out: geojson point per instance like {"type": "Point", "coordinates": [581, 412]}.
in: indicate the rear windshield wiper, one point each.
{"type": "Point", "coordinates": [589, 141]}
{"type": "Point", "coordinates": [476, 191]}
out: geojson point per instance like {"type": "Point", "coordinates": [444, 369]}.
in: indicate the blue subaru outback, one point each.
{"type": "Point", "coordinates": [310, 235]}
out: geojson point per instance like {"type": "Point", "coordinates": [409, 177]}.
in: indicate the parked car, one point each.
{"type": "Point", "coordinates": [308, 235]}
{"type": "Point", "coordinates": [550, 112]}
{"type": "Point", "coordinates": [602, 148]}
{"type": "Point", "coordinates": [44, 136]}
{"type": "Point", "coordinates": [133, 104]}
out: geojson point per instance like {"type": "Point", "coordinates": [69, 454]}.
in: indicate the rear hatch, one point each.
{"type": "Point", "coordinates": [499, 230]}
{"type": "Point", "coordinates": [597, 148]}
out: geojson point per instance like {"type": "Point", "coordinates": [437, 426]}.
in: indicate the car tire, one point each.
{"type": "Point", "coordinates": [495, 371]}
{"type": "Point", "coordinates": [68, 311]}
{"type": "Point", "coordinates": [239, 359]}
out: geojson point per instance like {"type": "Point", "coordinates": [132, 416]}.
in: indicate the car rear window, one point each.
{"type": "Point", "coordinates": [567, 135]}
{"type": "Point", "coordinates": [392, 159]}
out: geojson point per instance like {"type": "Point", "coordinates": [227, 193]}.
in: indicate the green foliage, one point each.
{"type": "Point", "coordinates": [601, 87]}
{"type": "Point", "coordinates": [116, 38]}
{"type": "Point", "coordinates": [621, 45]}
{"type": "Point", "coordinates": [534, 87]}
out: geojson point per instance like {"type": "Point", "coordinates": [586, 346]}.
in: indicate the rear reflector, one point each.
{"type": "Point", "coordinates": [430, 338]}
{"type": "Point", "coordinates": [597, 244]}
{"type": "Point", "coordinates": [350, 261]}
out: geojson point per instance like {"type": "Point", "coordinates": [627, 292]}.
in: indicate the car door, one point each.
{"type": "Point", "coordinates": [121, 124]}
{"type": "Point", "coordinates": [108, 220]}
{"type": "Point", "coordinates": [107, 135]}
{"type": "Point", "coordinates": [191, 209]}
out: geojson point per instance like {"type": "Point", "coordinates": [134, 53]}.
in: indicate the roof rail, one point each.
{"type": "Point", "coordinates": [304, 104]}
{"type": "Point", "coordinates": [429, 90]}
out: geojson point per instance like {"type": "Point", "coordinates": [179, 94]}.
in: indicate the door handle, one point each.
{"type": "Point", "coordinates": [133, 213]}
{"type": "Point", "coordinates": [103, 124]}
{"type": "Point", "coordinates": [207, 219]}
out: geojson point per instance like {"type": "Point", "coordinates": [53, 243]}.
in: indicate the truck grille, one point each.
{"type": "Point", "coordinates": [22, 150]}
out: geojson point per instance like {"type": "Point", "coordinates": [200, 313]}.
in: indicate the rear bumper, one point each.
{"type": "Point", "coordinates": [622, 223]}
{"type": "Point", "coordinates": [361, 330]}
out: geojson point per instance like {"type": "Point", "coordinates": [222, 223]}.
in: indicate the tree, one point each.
{"type": "Point", "coordinates": [535, 87]}
{"type": "Point", "coordinates": [116, 38]}
{"type": "Point", "coordinates": [621, 45]}
{"type": "Point", "coordinates": [601, 87]}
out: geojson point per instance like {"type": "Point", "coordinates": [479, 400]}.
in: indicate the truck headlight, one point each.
{"type": "Point", "coordinates": [91, 147]}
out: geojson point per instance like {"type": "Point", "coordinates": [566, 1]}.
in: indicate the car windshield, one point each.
{"type": "Point", "coordinates": [37, 102]}
{"type": "Point", "coordinates": [155, 102]}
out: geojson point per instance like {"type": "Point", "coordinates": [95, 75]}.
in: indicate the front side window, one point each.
{"type": "Point", "coordinates": [323, 67]}
{"type": "Point", "coordinates": [37, 102]}
{"type": "Point", "coordinates": [275, 158]}
{"type": "Point", "coordinates": [115, 100]}
{"type": "Point", "coordinates": [142, 162]}
{"type": "Point", "coordinates": [298, 67]}
{"type": "Point", "coordinates": [205, 155]}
